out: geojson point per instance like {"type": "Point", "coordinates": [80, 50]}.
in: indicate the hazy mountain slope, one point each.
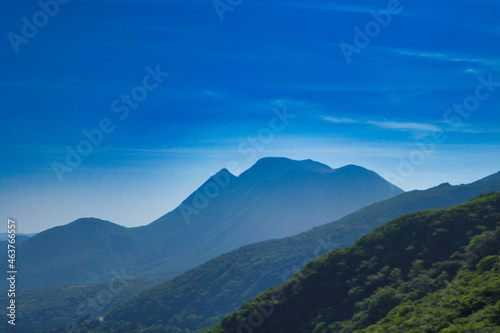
{"type": "Point", "coordinates": [276, 197]}
{"type": "Point", "coordinates": [57, 307]}
{"type": "Point", "coordinates": [197, 298]}
{"type": "Point", "coordinates": [19, 240]}
{"type": "Point", "coordinates": [87, 250]}
{"type": "Point", "coordinates": [5, 236]}
{"type": "Point", "coordinates": [404, 260]}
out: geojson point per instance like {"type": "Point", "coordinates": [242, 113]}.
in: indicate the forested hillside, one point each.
{"type": "Point", "coordinates": [405, 266]}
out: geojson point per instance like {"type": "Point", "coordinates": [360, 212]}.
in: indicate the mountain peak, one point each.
{"type": "Point", "coordinates": [355, 170]}
{"type": "Point", "coordinates": [87, 224]}
{"type": "Point", "coordinates": [223, 172]}
{"type": "Point", "coordinates": [272, 167]}
{"type": "Point", "coordinates": [284, 161]}
{"type": "Point", "coordinates": [223, 178]}
{"type": "Point", "coordinates": [352, 167]}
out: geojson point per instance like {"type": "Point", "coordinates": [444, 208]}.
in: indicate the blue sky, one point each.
{"type": "Point", "coordinates": [227, 80]}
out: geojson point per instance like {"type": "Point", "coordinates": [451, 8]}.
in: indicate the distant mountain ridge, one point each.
{"type": "Point", "coordinates": [276, 197]}
{"type": "Point", "coordinates": [20, 238]}
{"type": "Point", "coordinates": [4, 236]}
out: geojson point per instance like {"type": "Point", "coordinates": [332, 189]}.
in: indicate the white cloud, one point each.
{"type": "Point", "coordinates": [340, 120]}
{"type": "Point", "coordinates": [424, 129]}
{"type": "Point", "coordinates": [404, 126]}
{"type": "Point", "coordinates": [337, 8]}
{"type": "Point", "coordinates": [493, 63]}
{"type": "Point", "coordinates": [392, 125]}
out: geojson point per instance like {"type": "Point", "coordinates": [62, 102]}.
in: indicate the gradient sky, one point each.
{"type": "Point", "coordinates": [226, 81]}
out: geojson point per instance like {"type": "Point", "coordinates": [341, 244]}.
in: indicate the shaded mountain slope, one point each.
{"type": "Point", "coordinates": [86, 250]}
{"type": "Point", "coordinates": [275, 198]}
{"type": "Point", "coordinates": [19, 240]}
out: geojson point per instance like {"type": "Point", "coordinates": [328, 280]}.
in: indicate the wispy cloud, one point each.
{"type": "Point", "coordinates": [366, 9]}
{"type": "Point", "coordinates": [493, 63]}
{"type": "Point", "coordinates": [340, 120]}
{"type": "Point", "coordinates": [478, 128]}
{"type": "Point", "coordinates": [391, 125]}
{"type": "Point", "coordinates": [415, 126]}
{"type": "Point", "coordinates": [405, 126]}
{"type": "Point", "coordinates": [336, 7]}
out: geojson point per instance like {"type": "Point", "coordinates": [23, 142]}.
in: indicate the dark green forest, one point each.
{"type": "Point", "coordinates": [437, 269]}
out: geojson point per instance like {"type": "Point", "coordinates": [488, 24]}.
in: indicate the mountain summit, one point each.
{"type": "Point", "coordinates": [275, 198]}
{"type": "Point", "coordinates": [273, 167]}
